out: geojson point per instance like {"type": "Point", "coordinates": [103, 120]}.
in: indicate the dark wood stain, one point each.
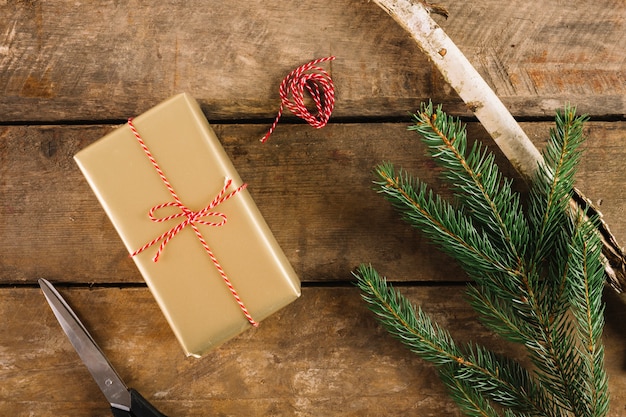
{"type": "Point", "coordinates": [71, 72]}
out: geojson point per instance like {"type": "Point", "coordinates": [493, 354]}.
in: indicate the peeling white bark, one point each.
{"type": "Point", "coordinates": [467, 82]}
{"type": "Point", "coordinates": [456, 69]}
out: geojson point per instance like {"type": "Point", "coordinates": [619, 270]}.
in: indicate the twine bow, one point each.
{"type": "Point", "coordinates": [191, 219]}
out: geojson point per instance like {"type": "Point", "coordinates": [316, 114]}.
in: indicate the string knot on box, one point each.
{"type": "Point", "coordinates": [191, 219]}
{"type": "Point", "coordinates": [317, 82]}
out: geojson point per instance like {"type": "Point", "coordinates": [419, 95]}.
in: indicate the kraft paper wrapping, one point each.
{"type": "Point", "coordinates": [185, 283]}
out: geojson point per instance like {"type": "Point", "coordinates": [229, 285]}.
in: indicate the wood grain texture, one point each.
{"type": "Point", "coordinates": [358, 370]}
{"type": "Point", "coordinates": [68, 61]}
{"type": "Point", "coordinates": [70, 70]}
{"type": "Point", "coordinates": [314, 188]}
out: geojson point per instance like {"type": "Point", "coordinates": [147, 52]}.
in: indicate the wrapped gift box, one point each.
{"type": "Point", "coordinates": [186, 281]}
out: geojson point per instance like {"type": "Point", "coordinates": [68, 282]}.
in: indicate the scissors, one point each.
{"type": "Point", "coordinates": [124, 402]}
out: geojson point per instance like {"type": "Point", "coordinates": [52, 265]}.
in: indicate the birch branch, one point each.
{"type": "Point", "coordinates": [478, 96]}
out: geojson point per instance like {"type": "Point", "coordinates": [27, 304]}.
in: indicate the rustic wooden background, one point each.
{"type": "Point", "coordinates": [72, 71]}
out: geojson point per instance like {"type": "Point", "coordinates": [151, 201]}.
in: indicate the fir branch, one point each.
{"type": "Point", "coordinates": [514, 387]}
{"type": "Point", "coordinates": [554, 349]}
{"type": "Point", "coordinates": [413, 328]}
{"type": "Point", "coordinates": [466, 397]}
{"type": "Point", "coordinates": [552, 187]}
{"type": "Point", "coordinates": [499, 313]}
{"type": "Point", "coordinates": [456, 234]}
{"type": "Point", "coordinates": [587, 283]}
{"type": "Point", "coordinates": [538, 275]}
{"type": "Point", "coordinates": [447, 226]}
{"type": "Point", "coordinates": [503, 382]}
{"type": "Point", "coordinates": [488, 108]}
{"type": "Point", "coordinates": [476, 179]}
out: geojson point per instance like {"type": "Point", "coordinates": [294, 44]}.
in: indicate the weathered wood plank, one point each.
{"type": "Point", "coordinates": [71, 61]}
{"type": "Point", "coordinates": [313, 186]}
{"type": "Point", "coordinates": [358, 370]}
{"type": "Point", "coordinates": [67, 61]}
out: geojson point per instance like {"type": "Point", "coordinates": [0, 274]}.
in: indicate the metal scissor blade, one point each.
{"type": "Point", "coordinates": [107, 379]}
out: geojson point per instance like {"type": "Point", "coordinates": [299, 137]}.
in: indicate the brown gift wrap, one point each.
{"type": "Point", "coordinates": [185, 282]}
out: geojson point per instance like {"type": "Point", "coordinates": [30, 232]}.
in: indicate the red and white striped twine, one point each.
{"type": "Point", "coordinates": [192, 218]}
{"type": "Point", "coordinates": [319, 85]}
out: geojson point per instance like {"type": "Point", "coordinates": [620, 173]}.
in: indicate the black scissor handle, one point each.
{"type": "Point", "coordinates": [139, 407]}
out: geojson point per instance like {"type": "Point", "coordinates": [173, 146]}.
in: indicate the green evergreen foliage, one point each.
{"type": "Point", "coordinates": [537, 275]}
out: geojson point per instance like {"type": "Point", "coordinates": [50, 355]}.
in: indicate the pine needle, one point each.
{"type": "Point", "coordinates": [538, 275]}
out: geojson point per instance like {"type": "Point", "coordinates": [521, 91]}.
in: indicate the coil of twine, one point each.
{"type": "Point", "coordinates": [317, 82]}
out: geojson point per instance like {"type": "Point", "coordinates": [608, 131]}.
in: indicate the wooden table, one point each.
{"type": "Point", "coordinates": [72, 71]}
